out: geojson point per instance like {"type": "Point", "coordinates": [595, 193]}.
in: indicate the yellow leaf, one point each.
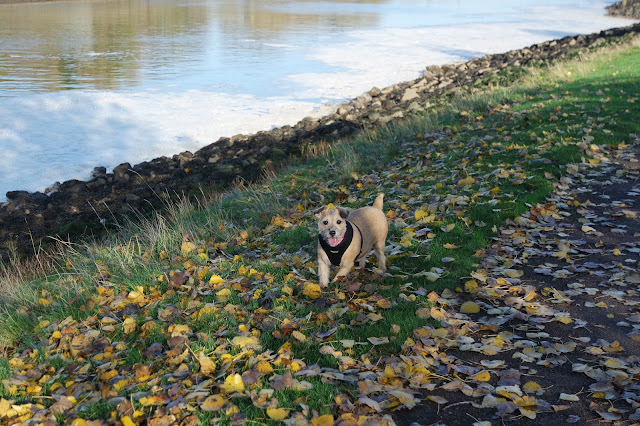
{"type": "Point", "coordinates": [277, 413]}
{"type": "Point", "coordinates": [614, 363]}
{"type": "Point", "coordinates": [4, 407]}
{"type": "Point", "coordinates": [466, 181]}
{"type": "Point", "coordinates": [481, 376]}
{"type": "Point", "coordinates": [388, 372]}
{"type": "Point", "coordinates": [480, 275]}
{"type": "Point", "coordinates": [180, 330]}
{"type": "Point", "coordinates": [216, 279]}
{"type": "Point", "coordinates": [56, 335]}
{"type": "Point", "coordinates": [437, 399]}
{"type": "Point", "coordinates": [213, 403]}
{"type": "Point", "coordinates": [242, 341]}
{"type": "Point", "coordinates": [326, 420]}
{"type": "Point", "coordinates": [437, 314]}
{"type": "Point", "coordinates": [129, 325]}
{"type": "Point", "coordinates": [532, 387]}
{"type": "Point", "coordinates": [298, 336]}
{"type": "Point", "coordinates": [108, 375]}
{"type": "Point", "coordinates": [312, 291]}
{"type": "Point", "coordinates": [223, 295]}
{"type": "Point", "coordinates": [448, 227]}
{"type": "Point", "coordinates": [513, 273]}
{"type": "Point", "coordinates": [419, 214]}
{"type": "Point", "coordinates": [564, 320]}
{"type": "Point", "coordinates": [429, 219]}
{"type": "Point", "coordinates": [233, 383]}
{"type": "Point", "coordinates": [531, 414]}
{"type": "Point", "coordinates": [126, 421]}
{"type": "Point", "coordinates": [207, 365]}
{"type": "Point", "coordinates": [187, 247]}
{"type": "Point", "coordinates": [616, 252]}
{"type": "Point", "coordinates": [153, 400]}
{"type": "Point", "coordinates": [264, 367]}
{"type": "Point", "coordinates": [34, 389]}
{"type": "Point", "coordinates": [383, 303]}
{"type": "Point", "coordinates": [378, 340]}
{"type": "Point", "coordinates": [78, 422]}
{"type": "Point", "coordinates": [471, 286]}
{"type": "Point", "coordinates": [450, 246]}
{"type": "Point", "coordinates": [469, 307]}
{"type": "Point", "coordinates": [569, 397]}
{"type": "Point", "coordinates": [587, 228]}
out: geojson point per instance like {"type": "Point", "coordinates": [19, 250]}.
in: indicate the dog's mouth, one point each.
{"type": "Point", "coordinates": [334, 241]}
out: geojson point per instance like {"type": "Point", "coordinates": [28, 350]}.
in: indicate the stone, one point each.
{"type": "Point", "coordinates": [121, 172]}
{"type": "Point", "coordinates": [434, 70]}
{"type": "Point", "coordinates": [52, 188]}
{"type": "Point", "coordinates": [409, 94]}
{"type": "Point", "coordinates": [98, 172]}
{"type": "Point", "coordinates": [96, 183]}
{"type": "Point", "coordinates": [15, 195]}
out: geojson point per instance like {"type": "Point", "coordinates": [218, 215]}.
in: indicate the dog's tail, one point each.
{"type": "Point", "coordinates": [379, 201]}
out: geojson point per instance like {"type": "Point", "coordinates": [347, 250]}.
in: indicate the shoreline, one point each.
{"type": "Point", "coordinates": [83, 207]}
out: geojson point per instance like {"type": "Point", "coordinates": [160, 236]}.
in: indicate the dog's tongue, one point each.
{"type": "Point", "coordinates": [333, 241]}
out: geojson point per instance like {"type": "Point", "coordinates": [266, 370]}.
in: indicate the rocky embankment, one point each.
{"type": "Point", "coordinates": [625, 8]}
{"type": "Point", "coordinates": [75, 207]}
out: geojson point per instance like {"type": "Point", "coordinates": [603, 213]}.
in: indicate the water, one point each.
{"type": "Point", "coordinates": [98, 83]}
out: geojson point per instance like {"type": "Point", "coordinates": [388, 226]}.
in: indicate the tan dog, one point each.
{"type": "Point", "coordinates": [346, 237]}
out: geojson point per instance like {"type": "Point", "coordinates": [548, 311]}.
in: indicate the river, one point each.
{"type": "Point", "coordinates": [98, 83]}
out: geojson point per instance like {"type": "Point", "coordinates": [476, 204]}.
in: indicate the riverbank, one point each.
{"type": "Point", "coordinates": [511, 291]}
{"type": "Point", "coordinates": [84, 207]}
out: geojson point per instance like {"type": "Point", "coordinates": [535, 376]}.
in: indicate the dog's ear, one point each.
{"type": "Point", "coordinates": [343, 212]}
{"type": "Point", "coordinates": [317, 212]}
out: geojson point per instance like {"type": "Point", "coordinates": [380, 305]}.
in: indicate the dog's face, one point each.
{"type": "Point", "coordinates": [332, 224]}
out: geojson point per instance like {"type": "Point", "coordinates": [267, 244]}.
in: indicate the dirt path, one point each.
{"type": "Point", "coordinates": [557, 336]}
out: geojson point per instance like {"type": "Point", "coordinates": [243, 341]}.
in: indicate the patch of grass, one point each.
{"type": "Point", "coordinates": [5, 373]}
{"type": "Point", "coordinates": [96, 410]}
{"type": "Point", "coordinates": [294, 239]}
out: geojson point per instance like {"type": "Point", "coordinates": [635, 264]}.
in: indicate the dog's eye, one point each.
{"type": "Point", "coordinates": [326, 222]}
{"type": "Point", "coordinates": [339, 222]}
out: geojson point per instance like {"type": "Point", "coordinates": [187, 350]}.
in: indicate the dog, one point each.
{"type": "Point", "coordinates": [346, 237]}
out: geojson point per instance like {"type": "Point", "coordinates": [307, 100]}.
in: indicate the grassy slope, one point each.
{"type": "Point", "coordinates": [236, 276]}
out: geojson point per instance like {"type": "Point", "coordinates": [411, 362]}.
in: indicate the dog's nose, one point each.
{"type": "Point", "coordinates": [332, 233]}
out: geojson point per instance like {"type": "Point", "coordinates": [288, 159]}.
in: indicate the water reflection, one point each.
{"type": "Point", "coordinates": [110, 45]}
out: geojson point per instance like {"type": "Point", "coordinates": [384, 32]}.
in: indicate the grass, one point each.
{"type": "Point", "coordinates": [242, 264]}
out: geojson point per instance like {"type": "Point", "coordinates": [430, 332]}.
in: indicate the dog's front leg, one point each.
{"type": "Point", "coordinates": [345, 268]}
{"type": "Point", "coordinates": [323, 272]}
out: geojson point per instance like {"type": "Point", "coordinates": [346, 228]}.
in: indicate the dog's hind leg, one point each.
{"type": "Point", "coordinates": [378, 247]}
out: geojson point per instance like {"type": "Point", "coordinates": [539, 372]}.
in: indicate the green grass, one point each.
{"type": "Point", "coordinates": [453, 176]}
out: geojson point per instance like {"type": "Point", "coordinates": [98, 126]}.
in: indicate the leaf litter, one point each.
{"type": "Point", "coordinates": [548, 322]}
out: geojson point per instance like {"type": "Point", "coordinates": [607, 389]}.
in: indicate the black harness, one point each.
{"type": "Point", "coordinates": [335, 253]}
